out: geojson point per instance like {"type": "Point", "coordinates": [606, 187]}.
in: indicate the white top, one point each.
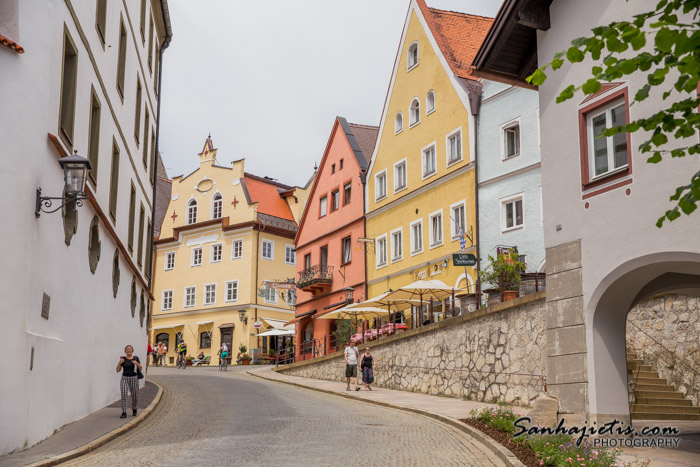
{"type": "Point", "coordinates": [351, 355]}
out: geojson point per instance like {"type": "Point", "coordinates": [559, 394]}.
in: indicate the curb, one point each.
{"type": "Point", "coordinates": [501, 452]}
{"type": "Point", "coordinates": [92, 445]}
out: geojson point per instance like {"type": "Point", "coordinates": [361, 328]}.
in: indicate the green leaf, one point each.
{"type": "Point", "coordinates": [596, 70]}
{"type": "Point", "coordinates": [591, 86]}
{"type": "Point", "coordinates": [628, 66]}
{"type": "Point", "coordinates": [639, 41]}
{"type": "Point", "coordinates": [659, 139]}
{"type": "Point", "coordinates": [655, 159]}
{"type": "Point", "coordinates": [566, 94]}
{"type": "Point", "coordinates": [537, 78]}
{"type": "Point", "coordinates": [664, 39]}
{"type": "Point", "coordinates": [687, 205]}
{"type": "Point", "coordinates": [643, 93]}
{"type": "Point", "coordinates": [580, 41]}
{"type": "Point", "coordinates": [574, 55]}
{"type": "Point", "coordinates": [616, 45]}
{"type": "Point", "coordinates": [557, 63]}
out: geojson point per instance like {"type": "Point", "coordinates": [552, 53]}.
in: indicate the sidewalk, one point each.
{"type": "Point", "coordinates": [86, 433]}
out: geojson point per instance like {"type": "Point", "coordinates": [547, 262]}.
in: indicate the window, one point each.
{"type": "Point", "coordinates": [307, 261]}
{"type": "Point", "coordinates": [209, 294]}
{"type": "Point", "coordinates": [237, 249]}
{"type": "Point", "coordinates": [217, 204]}
{"type": "Point", "coordinates": [143, 20]}
{"type": "Point", "coordinates": [454, 147]}
{"type": "Point", "coordinates": [101, 20]}
{"type": "Point", "coordinates": [511, 140]}
{"type": "Point", "coordinates": [216, 250]}
{"type": "Point", "coordinates": [341, 164]}
{"type": "Point", "coordinates": [150, 45]}
{"type": "Point", "coordinates": [167, 302]}
{"type": "Point", "coordinates": [132, 218]}
{"type": "Point", "coordinates": [197, 256]}
{"type": "Point", "coordinates": [146, 126]}
{"type": "Point", "coordinates": [397, 245]}
{"type": "Point", "coordinates": [417, 237]}
{"type": "Point", "coordinates": [190, 296]}
{"type": "Point", "coordinates": [380, 186]}
{"type": "Point", "coordinates": [153, 155]}
{"type": "Point", "coordinates": [94, 136]}
{"type": "Point", "coordinates": [458, 220]}
{"type": "Point", "coordinates": [68, 86]}
{"type": "Point", "coordinates": [414, 113]}
{"type": "Point", "coordinates": [430, 103]}
{"type": "Point", "coordinates": [347, 191]}
{"type": "Point", "coordinates": [137, 110]}
{"type": "Point", "coordinates": [346, 250]}
{"type": "Point", "coordinates": [142, 214]}
{"type": "Point", "coordinates": [332, 168]}
{"type": "Point", "coordinates": [335, 200]}
{"type": "Point", "coordinates": [400, 175]}
{"type": "Point", "coordinates": [381, 251]}
{"type": "Point", "coordinates": [606, 154]}
{"type": "Point", "coordinates": [512, 212]}
{"type": "Point", "coordinates": [412, 56]}
{"type": "Point", "coordinates": [268, 248]}
{"type": "Point", "coordinates": [170, 261]}
{"type": "Point", "coordinates": [398, 123]}
{"type": "Point", "coordinates": [324, 256]}
{"type": "Point", "coordinates": [270, 294]}
{"type": "Point", "coordinates": [429, 161]}
{"type": "Point", "coordinates": [121, 64]}
{"type": "Point", "coordinates": [436, 229]}
{"type": "Point", "coordinates": [156, 58]}
{"type": "Point", "coordinates": [290, 255]}
{"type": "Point", "coordinates": [114, 181]}
{"type": "Point", "coordinates": [149, 247]}
{"type": "Point", "coordinates": [232, 291]}
{"type": "Point", "coordinates": [205, 340]}
{"type": "Point", "coordinates": [324, 205]}
{"type": "Point", "coordinates": [192, 212]}
{"type": "Point", "coordinates": [292, 297]}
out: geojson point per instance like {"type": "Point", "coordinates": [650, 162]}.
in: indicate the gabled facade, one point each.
{"type": "Point", "coordinates": [227, 237]}
{"type": "Point", "coordinates": [329, 257]}
{"type": "Point", "coordinates": [420, 191]}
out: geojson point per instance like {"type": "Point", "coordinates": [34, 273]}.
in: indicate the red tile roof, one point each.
{"type": "Point", "coordinates": [267, 194]}
{"type": "Point", "coordinates": [459, 36]}
{"type": "Point", "coordinates": [11, 44]}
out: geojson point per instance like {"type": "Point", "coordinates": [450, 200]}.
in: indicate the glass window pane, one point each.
{"type": "Point", "coordinates": [509, 215]}
{"type": "Point", "coordinates": [600, 146]}
{"type": "Point", "coordinates": [619, 117]}
{"type": "Point", "coordinates": [519, 212]}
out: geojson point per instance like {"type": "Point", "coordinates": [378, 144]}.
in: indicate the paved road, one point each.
{"type": "Point", "coordinates": [211, 418]}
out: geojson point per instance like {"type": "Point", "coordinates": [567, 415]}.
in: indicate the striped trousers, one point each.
{"type": "Point", "coordinates": [129, 384]}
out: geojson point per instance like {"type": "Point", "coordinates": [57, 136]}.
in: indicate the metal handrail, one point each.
{"type": "Point", "coordinates": [673, 354]}
{"type": "Point", "coordinates": [319, 271]}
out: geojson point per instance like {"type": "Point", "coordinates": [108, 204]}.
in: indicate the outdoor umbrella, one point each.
{"type": "Point", "coordinates": [276, 332]}
{"type": "Point", "coordinates": [365, 312]}
{"type": "Point", "coordinates": [384, 300]}
{"type": "Point", "coordinates": [431, 289]}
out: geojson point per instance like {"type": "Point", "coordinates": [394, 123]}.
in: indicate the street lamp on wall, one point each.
{"type": "Point", "coordinates": [349, 291]}
{"type": "Point", "coordinates": [242, 316]}
{"type": "Point", "coordinates": [75, 169]}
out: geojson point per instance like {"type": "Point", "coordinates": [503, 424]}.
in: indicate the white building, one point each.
{"type": "Point", "coordinates": [81, 76]}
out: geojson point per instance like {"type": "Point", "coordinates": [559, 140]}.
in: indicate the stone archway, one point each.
{"type": "Point", "coordinates": [606, 318]}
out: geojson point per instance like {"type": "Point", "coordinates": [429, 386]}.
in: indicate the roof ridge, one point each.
{"type": "Point", "coordinates": [460, 13]}
{"type": "Point", "coordinates": [363, 125]}
{"type": "Point", "coordinates": [267, 180]}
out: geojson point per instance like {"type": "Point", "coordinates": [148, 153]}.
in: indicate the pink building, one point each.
{"type": "Point", "coordinates": [329, 256]}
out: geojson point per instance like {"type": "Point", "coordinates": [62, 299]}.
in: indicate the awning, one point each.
{"type": "Point", "coordinates": [227, 325]}
{"type": "Point", "coordinates": [167, 327]}
{"type": "Point", "coordinates": [202, 323]}
{"type": "Point", "coordinates": [278, 324]}
{"type": "Point", "coordinates": [276, 332]}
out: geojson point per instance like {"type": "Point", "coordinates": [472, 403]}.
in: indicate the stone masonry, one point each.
{"type": "Point", "coordinates": [495, 354]}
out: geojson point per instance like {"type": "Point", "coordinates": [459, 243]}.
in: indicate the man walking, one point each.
{"type": "Point", "coordinates": [351, 356]}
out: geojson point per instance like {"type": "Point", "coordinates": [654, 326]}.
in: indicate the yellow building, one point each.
{"type": "Point", "coordinates": [226, 239]}
{"type": "Point", "coordinates": [420, 184]}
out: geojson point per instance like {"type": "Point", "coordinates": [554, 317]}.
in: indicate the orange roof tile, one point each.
{"type": "Point", "coordinates": [459, 36]}
{"type": "Point", "coordinates": [11, 44]}
{"type": "Point", "coordinates": [267, 195]}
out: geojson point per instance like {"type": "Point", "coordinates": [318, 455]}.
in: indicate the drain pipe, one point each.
{"type": "Point", "coordinates": [474, 91]}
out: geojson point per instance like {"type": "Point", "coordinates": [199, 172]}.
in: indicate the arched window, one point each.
{"type": "Point", "coordinates": [309, 332]}
{"type": "Point", "coordinates": [163, 337]}
{"type": "Point", "coordinates": [192, 212]}
{"type": "Point", "coordinates": [216, 206]}
{"type": "Point", "coordinates": [398, 122]}
{"type": "Point", "coordinates": [430, 102]}
{"type": "Point", "coordinates": [414, 112]}
{"type": "Point", "coordinates": [412, 55]}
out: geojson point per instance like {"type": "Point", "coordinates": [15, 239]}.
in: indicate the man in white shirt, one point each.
{"type": "Point", "coordinates": [351, 356]}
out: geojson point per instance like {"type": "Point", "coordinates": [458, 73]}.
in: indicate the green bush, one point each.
{"type": "Point", "coordinates": [501, 418]}
{"type": "Point", "coordinates": [561, 450]}
{"type": "Point", "coordinates": [505, 267]}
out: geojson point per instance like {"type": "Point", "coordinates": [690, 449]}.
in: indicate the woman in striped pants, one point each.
{"type": "Point", "coordinates": [130, 381]}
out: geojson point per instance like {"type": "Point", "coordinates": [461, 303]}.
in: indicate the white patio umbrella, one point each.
{"type": "Point", "coordinates": [365, 312]}
{"type": "Point", "coordinates": [431, 289]}
{"type": "Point", "coordinates": [276, 332]}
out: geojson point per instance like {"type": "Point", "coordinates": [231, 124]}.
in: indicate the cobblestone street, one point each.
{"type": "Point", "coordinates": [212, 418]}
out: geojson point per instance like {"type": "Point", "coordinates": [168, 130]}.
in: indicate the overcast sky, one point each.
{"type": "Point", "coordinates": [268, 77]}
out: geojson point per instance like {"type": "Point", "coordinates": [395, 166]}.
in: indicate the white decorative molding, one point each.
{"type": "Point", "coordinates": [202, 239]}
{"type": "Point", "coordinates": [236, 182]}
{"type": "Point", "coordinates": [175, 196]}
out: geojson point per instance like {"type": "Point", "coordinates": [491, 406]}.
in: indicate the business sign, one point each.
{"type": "Point", "coordinates": [463, 259]}
{"type": "Point", "coordinates": [257, 325]}
{"type": "Point", "coordinates": [430, 271]}
{"type": "Point", "coordinates": [280, 285]}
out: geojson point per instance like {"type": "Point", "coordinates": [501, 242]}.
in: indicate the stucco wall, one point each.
{"type": "Point", "coordinates": [496, 354]}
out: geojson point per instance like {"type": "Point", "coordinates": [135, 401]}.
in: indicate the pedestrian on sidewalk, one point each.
{"type": "Point", "coordinates": [129, 365]}
{"type": "Point", "coordinates": [148, 353]}
{"type": "Point", "coordinates": [351, 356]}
{"type": "Point", "coordinates": [163, 355]}
{"type": "Point", "coordinates": [367, 371]}
{"type": "Point", "coordinates": [156, 354]}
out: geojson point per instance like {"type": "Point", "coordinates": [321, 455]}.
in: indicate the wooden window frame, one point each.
{"type": "Point", "coordinates": [69, 91]}
{"type": "Point", "coordinates": [132, 218]}
{"type": "Point", "coordinates": [146, 128]}
{"type": "Point", "coordinates": [137, 111]}
{"type": "Point", "coordinates": [142, 219]}
{"type": "Point", "coordinates": [114, 182]}
{"type": "Point", "coordinates": [101, 20]}
{"type": "Point", "coordinates": [121, 60]}
{"type": "Point", "coordinates": [94, 136]}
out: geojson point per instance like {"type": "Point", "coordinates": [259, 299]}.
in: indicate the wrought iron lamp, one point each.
{"type": "Point", "coordinates": [242, 316]}
{"type": "Point", "coordinates": [349, 291]}
{"type": "Point", "coordinates": [75, 169]}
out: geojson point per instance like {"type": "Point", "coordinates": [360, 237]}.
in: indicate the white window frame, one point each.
{"type": "Point", "coordinates": [428, 110]}
{"type": "Point", "coordinates": [206, 292]}
{"type": "Point", "coordinates": [411, 122]}
{"type": "Point", "coordinates": [273, 293]}
{"type": "Point", "coordinates": [226, 291]}
{"type": "Point", "coordinates": [504, 147]}
{"type": "Point", "coordinates": [432, 242]}
{"type": "Point", "coordinates": [398, 129]}
{"type": "Point", "coordinates": [201, 257]}
{"type": "Point", "coordinates": [194, 297]}
{"type": "Point", "coordinates": [196, 209]}
{"type": "Point", "coordinates": [449, 162]}
{"type": "Point", "coordinates": [502, 209]}
{"type": "Point", "coordinates": [413, 240]}
{"type": "Point", "coordinates": [392, 234]}
{"type": "Point", "coordinates": [377, 242]}
{"type": "Point", "coordinates": [211, 252]}
{"type": "Point", "coordinates": [272, 249]}
{"type": "Point", "coordinates": [342, 250]}
{"type": "Point", "coordinates": [288, 247]}
{"type": "Point", "coordinates": [162, 300]}
{"type": "Point", "coordinates": [422, 160]}
{"type": "Point", "coordinates": [377, 184]}
{"type": "Point", "coordinates": [168, 257]}
{"type": "Point", "coordinates": [403, 162]}
{"type": "Point", "coordinates": [609, 140]}
{"type": "Point", "coordinates": [233, 249]}
{"type": "Point", "coordinates": [410, 66]}
{"type": "Point", "coordinates": [454, 234]}
{"type": "Point", "coordinates": [322, 212]}
{"type": "Point", "coordinates": [213, 205]}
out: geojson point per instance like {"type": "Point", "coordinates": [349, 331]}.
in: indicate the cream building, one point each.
{"type": "Point", "coordinates": [227, 238]}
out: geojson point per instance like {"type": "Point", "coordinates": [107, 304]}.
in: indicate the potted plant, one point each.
{"type": "Point", "coordinates": [243, 357]}
{"type": "Point", "coordinates": [504, 273]}
{"type": "Point", "coordinates": [189, 361]}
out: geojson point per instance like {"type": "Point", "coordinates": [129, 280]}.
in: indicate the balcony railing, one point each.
{"type": "Point", "coordinates": [315, 276]}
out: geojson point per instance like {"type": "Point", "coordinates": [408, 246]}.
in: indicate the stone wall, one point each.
{"type": "Point", "coordinates": [495, 354]}
{"type": "Point", "coordinates": [671, 321]}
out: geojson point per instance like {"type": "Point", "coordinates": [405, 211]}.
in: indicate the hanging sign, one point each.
{"type": "Point", "coordinates": [463, 259]}
{"type": "Point", "coordinates": [257, 324]}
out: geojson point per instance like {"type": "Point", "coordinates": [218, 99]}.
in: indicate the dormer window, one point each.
{"type": "Point", "coordinates": [414, 112]}
{"type": "Point", "coordinates": [192, 212]}
{"type": "Point", "coordinates": [398, 123]}
{"type": "Point", "coordinates": [412, 56]}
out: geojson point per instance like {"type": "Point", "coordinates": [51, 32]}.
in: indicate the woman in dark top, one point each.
{"type": "Point", "coordinates": [129, 365]}
{"type": "Point", "coordinates": [367, 371]}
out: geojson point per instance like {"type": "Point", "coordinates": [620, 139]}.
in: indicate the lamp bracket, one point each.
{"type": "Point", "coordinates": [45, 202]}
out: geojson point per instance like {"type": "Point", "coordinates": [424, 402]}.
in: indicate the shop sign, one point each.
{"type": "Point", "coordinates": [463, 259]}
{"type": "Point", "coordinates": [430, 271]}
{"type": "Point", "coordinates": [257, 324]}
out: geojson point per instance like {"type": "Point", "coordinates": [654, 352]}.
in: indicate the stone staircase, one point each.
{"type": "Point", "coordinates": [654, 398]}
